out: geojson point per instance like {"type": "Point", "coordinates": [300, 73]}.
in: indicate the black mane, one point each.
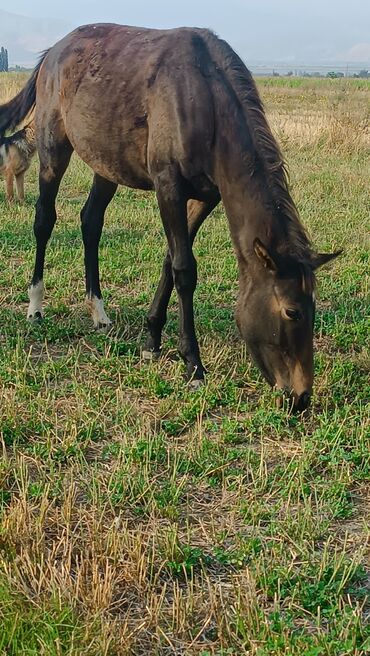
{"type": "Point", "coordinates": [269, 159]}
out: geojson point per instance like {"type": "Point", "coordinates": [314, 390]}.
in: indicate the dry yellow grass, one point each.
{"type": "Point", "coordinates": [10, 84]}
{"type": "Point", "coordinates": [335, 113]}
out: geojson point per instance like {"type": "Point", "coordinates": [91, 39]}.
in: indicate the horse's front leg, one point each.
{"type": "Point", "coordinates": [172, 204]}
{"type": "Point", "coordinates": [197, 212]}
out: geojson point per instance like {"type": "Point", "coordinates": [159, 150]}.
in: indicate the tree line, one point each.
{"type": "Point", "coordinates": [4, 65]}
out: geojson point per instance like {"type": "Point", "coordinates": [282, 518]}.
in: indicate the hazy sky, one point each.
{"type": "Point", "coordinates": [278, 30]}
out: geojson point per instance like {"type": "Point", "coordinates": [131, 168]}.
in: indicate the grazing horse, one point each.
{"type": "Point", "coordinates": [177, 112]}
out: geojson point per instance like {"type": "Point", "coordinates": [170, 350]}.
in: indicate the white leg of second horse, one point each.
{"type": "Point", "coordinates": [36, 296]}
{"type": "Point", "coordinates": [100, 319]}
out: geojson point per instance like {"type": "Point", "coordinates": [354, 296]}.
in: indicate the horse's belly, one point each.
{"type": "Point", "coordinates": [124, 172]}
{"type": "Point", "coordinates": [112, 148]}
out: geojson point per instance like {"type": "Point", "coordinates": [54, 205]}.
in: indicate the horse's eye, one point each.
{"type": "Point", "coordinates": [292, 314]}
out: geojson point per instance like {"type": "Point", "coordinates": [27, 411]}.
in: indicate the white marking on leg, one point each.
{"type": "Point", "coordinates": [150, 356]}
{"type": "Point", "coordinates": [96, 308]}
{"type": "Point", "coordinates": [195, 384]}
{"type": "Point", "coordinates": [36, 296]}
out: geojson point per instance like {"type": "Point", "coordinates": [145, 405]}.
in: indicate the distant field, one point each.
{"type": "Point", "coordinates": [139, 518]}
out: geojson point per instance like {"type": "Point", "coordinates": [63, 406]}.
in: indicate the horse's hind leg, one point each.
{"type": "Point", "coordinates": [197, 213]}
{"type": "Point", "coordinates": [92, 220]}
{"type": "Point", "coordinates": [19, 183]}
{"type": "Point", "coordinates": [54, 159]}
{"type": "Point", "coordinates": [9, 180]}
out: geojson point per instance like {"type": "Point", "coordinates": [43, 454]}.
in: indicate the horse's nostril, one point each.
{"type": "Point", "coordinates": [303, 401]}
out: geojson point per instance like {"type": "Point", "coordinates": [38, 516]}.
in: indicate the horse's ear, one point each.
{"type": "Point", "coordinates": [319, 259]}
{"type": "Point", "coordinates": [264, 256]}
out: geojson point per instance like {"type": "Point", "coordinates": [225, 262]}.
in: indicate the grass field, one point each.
{"type": "Point", "coordinates": [139, 518]}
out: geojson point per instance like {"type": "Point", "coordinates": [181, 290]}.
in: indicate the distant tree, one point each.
{"type": "Point", "coordinates": [289, 73]}
{"type": "Point", "coordinates": [364, 73]}
{"type": "Point", "coordinates": [3, 59]}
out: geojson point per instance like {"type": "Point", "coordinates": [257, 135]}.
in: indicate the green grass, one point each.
{"type": "Point", "coordinates": [137, 517]}
{"type": "Point", "coordinates": [29, 628]}
{"type": "Point", "coordinates": [314, 84]}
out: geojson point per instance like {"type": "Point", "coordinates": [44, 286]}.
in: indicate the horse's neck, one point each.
{"type": "Point", "coordinates": [246, 207]}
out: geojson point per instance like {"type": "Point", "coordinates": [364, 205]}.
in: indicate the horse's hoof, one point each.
{"type": "Point", "coordinates": [150, 356]}
{"type": "Point", "coordinates": [36, 317]}
{"type": "Point", "coordinates": [196, 384]}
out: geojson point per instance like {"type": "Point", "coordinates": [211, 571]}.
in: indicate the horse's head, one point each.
{"type": "Point", "coordinates": [275, 315]}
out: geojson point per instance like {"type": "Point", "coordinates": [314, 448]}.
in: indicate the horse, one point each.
{"type": "Point", "coordinates": [16, 152]}
{"type": "Point", "coordinates": [177, 112]}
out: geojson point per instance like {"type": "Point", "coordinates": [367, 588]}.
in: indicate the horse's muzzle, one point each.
{"type": "Point", "coordinates": [293, 402]}
{"type": "Point", "coordinates": [301, 403]}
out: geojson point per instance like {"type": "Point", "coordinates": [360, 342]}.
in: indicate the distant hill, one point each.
{"type": "Point", "coordinates": [26, 37]}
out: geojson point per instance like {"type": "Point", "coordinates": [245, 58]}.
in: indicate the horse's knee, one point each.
{"type": "Point", "coordinates": [185, 275]}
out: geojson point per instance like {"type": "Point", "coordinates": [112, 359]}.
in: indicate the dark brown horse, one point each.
{"type": "Point", "coordinates": [177, 111]}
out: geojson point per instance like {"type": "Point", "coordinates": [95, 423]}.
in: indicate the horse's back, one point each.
{"type": "Point", "coordinates": [129, 99]}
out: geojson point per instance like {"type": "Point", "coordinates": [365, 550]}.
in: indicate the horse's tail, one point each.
{"type": "Point", "coordinates": [15, 110]}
